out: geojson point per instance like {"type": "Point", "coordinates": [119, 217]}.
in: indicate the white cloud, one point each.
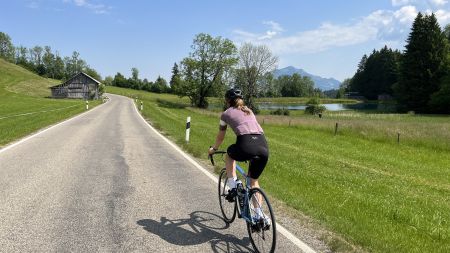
{"type": "Point", "coordinates": [378, 25]}
{"type": "Point", "coordinates": [382, 26]}
{"type": "Point", "coordinates": [274, 25]}
{"type": "Point", "coordinates": [96, 8]}
{"type": "Point", "coordinates": [406, 14]}
{"type": "Point", "coordinates": [274, 30]}
{"type": "Point", "coordinates": [443, 17]}
{"type": "Point", "coordinates": [439, 2]}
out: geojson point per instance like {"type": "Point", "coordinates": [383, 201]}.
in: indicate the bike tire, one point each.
{"type": "Point", "coordinates": [262, 240]}
{"type": "Point", "coordinates": [228, 208]}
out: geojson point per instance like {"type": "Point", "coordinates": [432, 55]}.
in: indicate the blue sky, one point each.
{"type": "Point", "coordinates": [324, 37]}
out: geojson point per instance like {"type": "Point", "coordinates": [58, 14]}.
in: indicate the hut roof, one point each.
{"type": "Point", "coordinates": [75, 76]}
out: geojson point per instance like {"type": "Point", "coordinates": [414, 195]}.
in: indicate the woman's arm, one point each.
{"type": "Point", "coordinates": [219, 139]}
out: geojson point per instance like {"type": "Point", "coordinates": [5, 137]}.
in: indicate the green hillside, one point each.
{"type": "Point", "coordinates": [24, 103]}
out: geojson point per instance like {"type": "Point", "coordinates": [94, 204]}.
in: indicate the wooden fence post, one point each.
{"type": "Point", "coordinates": [336, 129]}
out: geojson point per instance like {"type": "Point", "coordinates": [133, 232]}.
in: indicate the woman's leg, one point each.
{"type": "Point", "coordinates": [254, 183]}
{"type": "Point", "coordinates": [230, 164]}
{"type": "Point", "coordinates": [257, 202]}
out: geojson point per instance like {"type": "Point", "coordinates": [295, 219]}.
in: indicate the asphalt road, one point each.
{"type": "Point", "coordinates": [105, 182]}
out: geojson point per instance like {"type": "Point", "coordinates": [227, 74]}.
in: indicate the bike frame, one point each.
{"type": "Point", "coordinates": [245, 214]}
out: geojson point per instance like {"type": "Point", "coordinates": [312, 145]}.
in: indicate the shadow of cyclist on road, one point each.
{"type": "Point", "coordinates": [200, 227]}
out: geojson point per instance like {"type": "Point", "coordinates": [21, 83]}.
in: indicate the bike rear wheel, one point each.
{"type": "Point", "coordinates": [228, 208]}
{"type": "Point", "coordinates": [262, 231]}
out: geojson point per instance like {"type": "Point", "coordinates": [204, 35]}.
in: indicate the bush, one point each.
{"type": "Point", "coordinates": [280, 111]}
{"type": "Point", "coordinates": [313, 106]}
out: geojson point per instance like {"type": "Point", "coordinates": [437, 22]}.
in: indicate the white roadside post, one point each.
{"type": "Point", "coordinates": [87, 105]}
{"type": "Point", "coordinates": [188, 128]}
{"type": "Point", "coordinates": [142, 105]}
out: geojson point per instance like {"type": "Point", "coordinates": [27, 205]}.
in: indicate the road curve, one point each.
{"type": "Point", "coordinates": [106, 182]}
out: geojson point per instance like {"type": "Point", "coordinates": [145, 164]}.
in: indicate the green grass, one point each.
{"type": "Point", "coordinates": [304, 100]}
{"type": "Point", "coordinates": [23, 92]}
{"type": "Point", "coordinates": [377, 194]}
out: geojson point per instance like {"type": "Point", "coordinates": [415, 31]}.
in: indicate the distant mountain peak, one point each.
{"type": "Point", "coordinates": [319, 82]}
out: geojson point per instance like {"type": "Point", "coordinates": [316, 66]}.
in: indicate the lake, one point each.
{"type": "Point", "coordinates": [333, 107]}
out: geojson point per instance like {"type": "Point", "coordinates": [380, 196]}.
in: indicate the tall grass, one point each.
{"type": "Point", "coordinates": [379, 195]}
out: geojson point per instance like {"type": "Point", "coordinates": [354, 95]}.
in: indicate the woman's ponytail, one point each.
{"type": "Point", "coordinates": [239, 104]}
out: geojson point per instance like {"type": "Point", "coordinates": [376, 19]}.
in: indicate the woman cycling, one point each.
{"type": "Point", "coordinates": [250, 143]}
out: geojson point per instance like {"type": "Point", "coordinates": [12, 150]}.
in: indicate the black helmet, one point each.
{"type": "Point", "coordinates": [232, 94]}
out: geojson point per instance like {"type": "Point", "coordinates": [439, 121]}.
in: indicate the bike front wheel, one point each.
{"type": "Point", "coordinates": [228, 208]}
{"type": "Point", "coordinates": [262, 228]}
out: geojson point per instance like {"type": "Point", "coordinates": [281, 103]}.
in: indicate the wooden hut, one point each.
{"type": "Point", "coordinates": [80, 85]}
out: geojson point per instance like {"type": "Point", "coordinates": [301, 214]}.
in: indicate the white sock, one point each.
{"type": "Point", "coordinates": [232, 182]}
{"type": "Point", "coordinates": [258, 212]}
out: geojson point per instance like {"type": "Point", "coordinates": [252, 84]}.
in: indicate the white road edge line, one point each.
{"type": "Point", "coordinates": [303, 246]}
{"type": "Point", "coordinates": [45, 130]}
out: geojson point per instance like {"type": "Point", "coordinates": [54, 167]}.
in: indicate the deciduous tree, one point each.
{"type": "Point", "coordinates": [254, 63]}
{"type": "Point", "coordinates": [204, 69]}
{"type": "Point", "coordinates": [6, 47]}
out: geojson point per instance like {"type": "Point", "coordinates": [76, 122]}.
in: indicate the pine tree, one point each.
{"type": "Point", "coordinates": [423, 64]}
{"type": "Point", "coordinates": [447, 32]}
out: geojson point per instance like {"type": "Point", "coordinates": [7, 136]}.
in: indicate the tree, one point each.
{"type": "Point", "coordinates": [295, 86]}
{"type": "Point", "coordinates": [48, 61]}
{"type": "Point", "coordinates": [447, 32]}
{"type": "Point", "coordinates": [268, 86]}
{"type": "Point", "coordinates": [37, 51]}
{"type": "Point", "coordinates": [21, 56]}
{"type": "Point", "coordinates": [146, 85]}
{"type": "Point", "coordinates": [120, 81]}
{"type": "Point", "coordinates": [313, 106]}
{"type": "Point", "coordinates": [440, 100]}
{"type": "Point", "coordinates": [204, 69]}
{"type": "Point", "coordinates": [108, 81]}
{"type": "Point", "coordinates": [134, 81]}
{"type": "Point", "coordinates": [175, 80]}
{"type": "Point", "coordinates": [376, 73]}
{"type": "Point", "coordinates": [254, 63]}
{"type": "Point", "coordinates": [423, 64]}
{"type": "Point", "coordinates": [135, 74]}
{"type": "Point", "coordinates": [160, 86]}
{"type": "Point", "coordinates": [93, 73]}
{"type": "Point", "coordinates": [6, 47]}
{"type": "Point", "coordinates": [43, 61]}
{"type": "Point", "coordinates": [343, 88]}
{"type": "Point", "coordinates": [59, 67]}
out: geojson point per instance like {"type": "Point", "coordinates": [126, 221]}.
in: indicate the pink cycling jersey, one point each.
{"type": "Point", "coordinates": [240, 122]}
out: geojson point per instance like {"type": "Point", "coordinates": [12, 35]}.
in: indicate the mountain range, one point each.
{"type": "Point", "coordinates": [319, 82]}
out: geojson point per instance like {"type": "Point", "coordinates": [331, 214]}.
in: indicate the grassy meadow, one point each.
{"type": "Point", "coordinates": [378, 194]}
{"type": "Point", "coordinates": [24, 106]}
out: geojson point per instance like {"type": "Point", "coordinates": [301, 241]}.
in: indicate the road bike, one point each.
{"type": "Point", "coordinates": [261, 225]}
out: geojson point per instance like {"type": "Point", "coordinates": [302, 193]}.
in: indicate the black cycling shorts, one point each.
{"type": "Point", "coordinates": [253, 148]}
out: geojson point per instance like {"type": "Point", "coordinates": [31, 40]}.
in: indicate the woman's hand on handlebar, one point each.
{"type": "Point", "coordinates": [211, 151]}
